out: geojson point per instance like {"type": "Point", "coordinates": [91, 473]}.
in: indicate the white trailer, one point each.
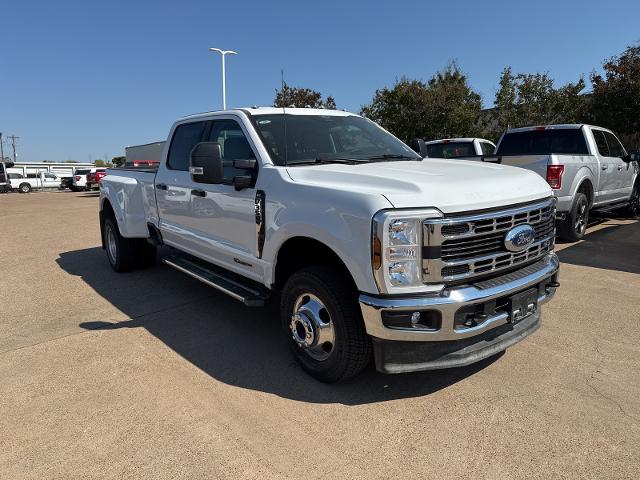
{"type": "Point", "coordinates": [32, 169]}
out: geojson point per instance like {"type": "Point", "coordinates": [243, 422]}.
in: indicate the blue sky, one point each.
{"type": "Point", "coordinates": [80, 80]}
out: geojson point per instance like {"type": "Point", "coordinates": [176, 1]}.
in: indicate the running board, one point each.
{"type": "Point", "coordinates": [250, 296]}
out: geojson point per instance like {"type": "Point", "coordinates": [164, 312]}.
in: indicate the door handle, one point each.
{"type": "Point", "coordinates": [199, 193]}
{"type": "Point", "coordinates": [605, 167]}
{"type": "Point", "coordinates": [161, 186]}
{"type": "Point", "coordinates": [619, 167]}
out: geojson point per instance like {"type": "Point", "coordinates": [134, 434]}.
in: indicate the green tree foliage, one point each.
{"type": "Point", "coordinates": [301, 97]}
{"type": "Point", "coordinates": [615, 101]}
{"type": "Point", "coordinates": [445, 106]}
{"type": "Point", "coordinates": [118, 161]}
{"type": "Point", "coordinates": [99, 163]}
{"type": "Point", "coordinates": [531, 99]}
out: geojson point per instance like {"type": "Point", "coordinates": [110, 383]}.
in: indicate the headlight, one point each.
{"type": "Point", "coordinates": [397, 247]}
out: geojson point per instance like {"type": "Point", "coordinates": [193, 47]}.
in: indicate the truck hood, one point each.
{"type": "Point", "coordinates": [449, 185]}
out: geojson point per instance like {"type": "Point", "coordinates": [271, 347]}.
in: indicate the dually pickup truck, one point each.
{"type": "Point", "coordinates": [586, 166]}
{"type": "Point", "coordinates": [371, 250]}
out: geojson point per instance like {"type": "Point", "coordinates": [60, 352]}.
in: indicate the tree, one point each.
{"type": "Point", "coordinates": [445, 106]}
{"type": "Point", "coordinates": [301, 97]}
{"type": "Point", "coordinates": [118, 161]}
{"type": "Point", "coordinates": [532, 99]}
{"type": "Point", "coordinates": [99, 163]}
{"type": "Point", "coordinates": [615, 101]}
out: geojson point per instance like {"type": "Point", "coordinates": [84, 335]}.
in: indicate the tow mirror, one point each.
{"type": "Point", "coordinates": [418, 146]}
{"type": "Point", "coordinates": [206, 164]}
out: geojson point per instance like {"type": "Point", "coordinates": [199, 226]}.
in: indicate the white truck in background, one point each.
{"type": "Point", "coordinates": [586, 166]}
{"type": "Point", "coordinates": [34, 181]}
{"type": "Point", "coordinates": [371, 250]}
{"type": "Point", "coordinates": [459, 147]}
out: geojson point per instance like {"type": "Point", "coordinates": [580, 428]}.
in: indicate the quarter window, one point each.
{"type": "Point", "coordinates": [184, 139]}
{"type": "Point", "coordinates": [487, 148]}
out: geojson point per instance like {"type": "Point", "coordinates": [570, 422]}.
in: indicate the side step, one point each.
{"type": "Point", "coordinates": [250, 296]}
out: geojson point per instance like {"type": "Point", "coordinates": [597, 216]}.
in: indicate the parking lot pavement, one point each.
{"type": "Point", "coordinates": [153, 375]}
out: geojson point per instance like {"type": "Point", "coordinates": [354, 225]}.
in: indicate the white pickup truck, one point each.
{"type": "Point", "coordinates": [586, 166]}
{"type": "Point", "coordinates": [459, 147]}
{"type": "Point", "coordinates": [371, 250]}
{"type": "Point", "coordinates": [34, 181]}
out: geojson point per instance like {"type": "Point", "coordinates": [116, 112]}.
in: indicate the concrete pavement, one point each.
{"type": "Point", "coordinates": [153, 375]}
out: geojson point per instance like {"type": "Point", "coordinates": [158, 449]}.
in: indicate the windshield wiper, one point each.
{"type": "Point", "coordinates": [317, 160]}
{"type": "Point", "coordinates": [393, 156]}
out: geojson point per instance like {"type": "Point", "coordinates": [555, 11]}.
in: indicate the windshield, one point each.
{"type": "Point", "coordinates": [298, 139]}
{"type": "Point", "coordinates": [451, 150]}
{"type": "Point", "coordinates": [568, 141]}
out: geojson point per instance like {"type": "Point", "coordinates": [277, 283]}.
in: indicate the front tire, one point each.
{"type": "Point", "coordinates": [574, 227]}
{"type": "Point", "coordinates": [323, 323]}
{"type": "Point", "coordinates": [634, 202]}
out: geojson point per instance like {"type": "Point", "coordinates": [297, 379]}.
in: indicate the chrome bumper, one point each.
{"type": "Point", "coordinates": [450, 300]}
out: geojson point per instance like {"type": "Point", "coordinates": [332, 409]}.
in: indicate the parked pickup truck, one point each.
{"type": "Point", "coordinates": [370, 250]}
{"type": "Point", "coordinates": [33, 181]}
{"type": "Point", "coordinates": [459, 147]}
{"type": "Point", "coordinates": [586, 166]}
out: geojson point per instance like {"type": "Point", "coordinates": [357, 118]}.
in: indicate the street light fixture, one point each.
{"type": "Point", "coordinates": [223, 53]}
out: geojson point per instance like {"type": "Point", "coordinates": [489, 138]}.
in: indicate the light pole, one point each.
{"type": "Point", "coordinates": [223, 53]}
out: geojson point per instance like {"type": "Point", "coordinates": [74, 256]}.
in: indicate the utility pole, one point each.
{"type": "Point", "coordinates": [1, 149]}
{"type": "Point", "coordinates": [13, 144]}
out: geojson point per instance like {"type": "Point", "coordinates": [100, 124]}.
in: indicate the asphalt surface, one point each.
{"type": "Point", "coordinates": [153, 375]}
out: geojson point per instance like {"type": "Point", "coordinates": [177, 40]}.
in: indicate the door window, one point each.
{"type": "Point", "coordinates": [615, 147]}
{"type": "Point", "coordinates": [233, 145]}
{"type": "Point", "coordinates": [184, 139]}
{"type": "Point", "coordinates": [601, 143]}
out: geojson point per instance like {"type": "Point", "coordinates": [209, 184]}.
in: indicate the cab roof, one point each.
{"type": "Point", "coordinates": [256, 111]}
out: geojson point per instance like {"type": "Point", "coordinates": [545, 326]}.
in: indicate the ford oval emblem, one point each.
{"type": "Point", "coordinates": [519, 238]}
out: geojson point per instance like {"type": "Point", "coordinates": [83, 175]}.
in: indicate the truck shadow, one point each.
{"type": "Point", "coordinates": [233, 344]}
{"type": "Point", "coordinates": [612, 246]}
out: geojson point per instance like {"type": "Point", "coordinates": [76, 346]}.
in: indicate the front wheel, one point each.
{"type": "Point", "coordinates": [573, 228]}
{"type": "Point", "coordinates": [634, 201]}
{"type": "Point", "coordinates": [323, 323]}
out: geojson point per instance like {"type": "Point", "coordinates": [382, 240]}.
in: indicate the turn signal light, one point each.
{"type": "Point", "coordinates": [554, 176]}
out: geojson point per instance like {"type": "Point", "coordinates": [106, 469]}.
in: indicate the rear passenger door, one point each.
{"type": "Point", "coordinates": [607, 186]}
{"type": "Point", "coordinates": [173, 186]}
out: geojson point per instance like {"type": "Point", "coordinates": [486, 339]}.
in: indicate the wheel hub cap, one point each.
{"type": "Point", "coordinates": [112, 247]}
{"type": "Point", "coordinates": [312, 328]}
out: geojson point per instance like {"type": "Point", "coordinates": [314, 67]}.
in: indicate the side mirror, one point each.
{"type": "Point", "coordinates": [205, 165]}
{"type": "Point", "coordinates": [418, 146]}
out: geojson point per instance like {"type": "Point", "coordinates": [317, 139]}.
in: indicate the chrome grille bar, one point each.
{"type": "Point", "coordinates": [463, 247]}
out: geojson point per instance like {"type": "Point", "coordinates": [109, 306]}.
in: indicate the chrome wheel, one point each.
{"type": "Point", "coordinates": [312, 328]}
{"type": "Point", "coordinates": [581, 218]}
{"type": "Point", "coordinates": [112, 245]}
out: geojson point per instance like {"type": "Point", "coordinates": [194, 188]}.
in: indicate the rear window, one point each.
{"type": "Point", "coordinates": [451, 150]}
{"type": "Point", "coordinates": [567, 141]}
{"type": "Point", "coordinates": [82, 172]}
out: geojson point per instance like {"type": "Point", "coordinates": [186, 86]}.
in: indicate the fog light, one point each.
{"type": "Point", "coordinates": [424, 320]}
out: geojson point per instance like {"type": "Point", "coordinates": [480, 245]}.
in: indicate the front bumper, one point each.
{"type": "Point", "coordinates": [452, 344]}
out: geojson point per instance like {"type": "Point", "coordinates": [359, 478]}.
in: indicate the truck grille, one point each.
{"type": "Point", "coordinates": [463, 247]}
